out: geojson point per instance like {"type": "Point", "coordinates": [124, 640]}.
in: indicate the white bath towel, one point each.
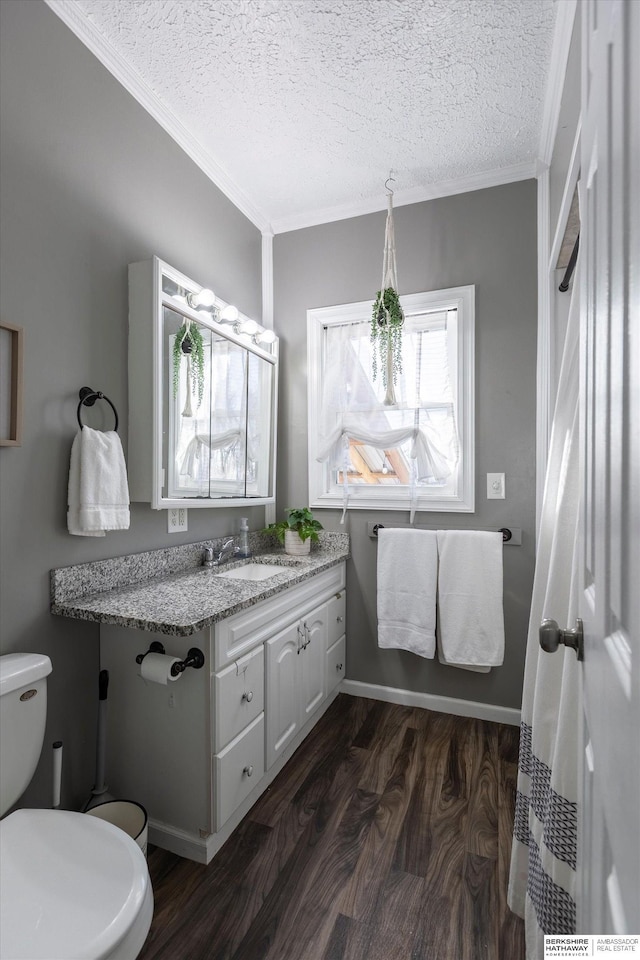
{"type": "Point", "coordinates": [471, 618]}
{"type": "Point", "coordinates": [407, 579]}
{"type": "Point", "coordinates": [98, 495]}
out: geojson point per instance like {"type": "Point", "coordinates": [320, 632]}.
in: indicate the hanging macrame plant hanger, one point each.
{"type": "Point", "coordinates": [388, 316]}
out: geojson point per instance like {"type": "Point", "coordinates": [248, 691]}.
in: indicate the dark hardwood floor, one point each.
{"type": "Point", "coordinates": [386, 837]}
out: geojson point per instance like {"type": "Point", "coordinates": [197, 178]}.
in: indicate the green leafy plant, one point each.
{"type": "Point", "coordinates": [299, 519]}
{"type": "Point", "coordinates": [188, 341]}
{"type": "Point", "coordinates": [387, 320]}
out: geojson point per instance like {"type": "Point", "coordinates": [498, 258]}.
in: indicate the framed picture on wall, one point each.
{"type": "Point", "coordinates": [11, 357]}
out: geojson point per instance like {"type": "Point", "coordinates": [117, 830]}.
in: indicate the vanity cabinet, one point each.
{"type": "Point", "coordinates": [198, 752]}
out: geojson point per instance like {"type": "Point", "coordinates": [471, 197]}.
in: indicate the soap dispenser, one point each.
{"type": "Point", "coordinates": [243, 548]}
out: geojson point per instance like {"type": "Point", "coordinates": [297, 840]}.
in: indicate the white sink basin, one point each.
{"type": "Point", "coordinates": [254, 571]}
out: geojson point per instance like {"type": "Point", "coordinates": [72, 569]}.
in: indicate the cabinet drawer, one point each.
{"type": "Point", "coordinates": [238, 769]}
{"type": "Point", "coordinates": [336, 613]}
{"type": "Point", "coordinates": [238, 696]}
{"type": "Point", "coordinates": [336, 663]}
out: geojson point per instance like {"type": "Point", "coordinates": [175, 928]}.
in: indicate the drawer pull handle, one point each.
{"type": "Point", "coordinates": [339, 619]}
{"type": "Point", "coordinates": [248, 770]}
{"type": "Point", "coordinates": [338, 596]}
{"type": "Point", "coordinates": [338, 667]}
{"type": "Point", "coordinates": [248, 696]}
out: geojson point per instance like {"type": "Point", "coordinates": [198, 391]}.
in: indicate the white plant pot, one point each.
{"type": "Point", "coordinates": [294, 546]}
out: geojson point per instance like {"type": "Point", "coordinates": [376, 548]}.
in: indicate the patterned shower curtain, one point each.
{"type": "Point", "coordinates": [542, 882]}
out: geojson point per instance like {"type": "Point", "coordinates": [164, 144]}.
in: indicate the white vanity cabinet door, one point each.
{"type": "Point", "coordinates": [283, 666]}
{"type": "Point", "coordinates": [295, 678]}
{"type": "Point", "coordinates": [312, 657]}
{"type": "Point", "coordinates": [238, 696]}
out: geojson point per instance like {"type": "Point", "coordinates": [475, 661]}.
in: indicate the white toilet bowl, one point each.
{"type": "Point", "coordinates": [73, 888]}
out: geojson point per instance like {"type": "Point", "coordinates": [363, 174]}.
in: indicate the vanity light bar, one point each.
{"type": "Point", "coordinates": [204, 299]}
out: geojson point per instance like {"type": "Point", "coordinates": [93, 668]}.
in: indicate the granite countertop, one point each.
{"type": "Point", "coordinates": [180, 603]}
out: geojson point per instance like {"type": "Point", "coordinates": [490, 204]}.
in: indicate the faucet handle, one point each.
{"type": "Point", "coordinates": [207, 557]}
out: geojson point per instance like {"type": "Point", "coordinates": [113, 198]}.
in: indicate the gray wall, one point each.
{"type": "Point", "coordinates": [487, 238]}
{"type": "Point", "coordinates": [89, 183]}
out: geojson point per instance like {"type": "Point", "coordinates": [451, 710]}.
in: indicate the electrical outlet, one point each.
{"type": "Point", "coordinates": [177, 520]}
{"type": "Point", "coordinates": [495, 486]}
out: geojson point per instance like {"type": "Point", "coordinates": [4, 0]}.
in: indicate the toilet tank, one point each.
{"type": "Point", "coordinates": [23, 715]}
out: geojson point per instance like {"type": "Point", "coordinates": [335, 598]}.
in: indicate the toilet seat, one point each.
{"type": "Point", "coordinates": [73, 888]}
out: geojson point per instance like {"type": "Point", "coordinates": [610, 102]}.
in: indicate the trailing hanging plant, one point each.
{"type": "Point", "coordinates": [387, 317]}
{"type": "Point", "coordinates": [387, 320]}
{"type": "Point", "coordinates": [188, 342]}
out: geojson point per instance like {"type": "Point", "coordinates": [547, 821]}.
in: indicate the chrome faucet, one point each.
{"type": "Point", "coordinates": [226, 553]}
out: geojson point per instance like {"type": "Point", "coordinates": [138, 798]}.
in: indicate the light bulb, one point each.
{"type": "Point", "coordinates": [249, 327]}
{"type": "Point", "coordinates": [267, 336]}
{"type": "Point", "coordinates": [229, 314]}
{"type": "Point", "coordinates": [206, 297]}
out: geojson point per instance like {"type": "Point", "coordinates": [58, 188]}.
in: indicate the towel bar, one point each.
{"type": "Point", "coordinates": [88, 397]}
{"type": "Point", "coordinates": [510, 535]}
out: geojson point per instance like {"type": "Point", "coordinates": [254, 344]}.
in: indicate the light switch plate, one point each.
{"type": "Point", "coordinates": [495, 486]}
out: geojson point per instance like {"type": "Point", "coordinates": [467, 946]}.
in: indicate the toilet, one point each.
{"type": "Point", "coordinates": [73, 887]}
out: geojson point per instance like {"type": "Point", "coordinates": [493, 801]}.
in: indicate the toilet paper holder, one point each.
{"type": "Point", "coordinates": [194, 658]}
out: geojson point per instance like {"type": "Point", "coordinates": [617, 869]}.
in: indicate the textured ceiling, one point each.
{"type": "Point", "coordinates": [307, 104]}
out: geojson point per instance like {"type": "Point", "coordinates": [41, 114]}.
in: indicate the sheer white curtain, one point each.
{"type": "Point", "coordinates": [542, 882]}
{"type": "Point", "coordinates": [353, 405]}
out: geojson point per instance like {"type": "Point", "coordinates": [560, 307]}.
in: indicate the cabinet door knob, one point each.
{"type": "Point", "coordinates": [338, 596]}
{"type": "Point", "coordinates": [248, 696]}
{"type": "Point", "coordinates": [338, 667]}
{"type": "Point", "coordinates": [339, 619]}
{"type": "Point", "coordinates": [248, 770]}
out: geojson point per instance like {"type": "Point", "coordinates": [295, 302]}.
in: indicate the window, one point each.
{"type": "Point", "coordinates": [416, 454]}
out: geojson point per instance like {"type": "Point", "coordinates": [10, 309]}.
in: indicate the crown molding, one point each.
{"type": "Point", "coordinates": [72, 15]}
{"type": "Point", "coordinates": [562, 33]}
{"type": "Point", "coordinates": [446, 188]}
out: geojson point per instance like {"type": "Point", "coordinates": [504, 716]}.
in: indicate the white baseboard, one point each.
{"type": "Point", "coordinates": [431, 701]}
{"type": "Point", "coordinates": [177, 841]}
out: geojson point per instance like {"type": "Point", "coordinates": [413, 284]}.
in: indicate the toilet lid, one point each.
{"type": "Point", "coordinates": [72, 885]}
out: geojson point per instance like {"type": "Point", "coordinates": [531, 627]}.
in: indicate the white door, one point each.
{"type": "Point", "coordinates": [610, 429]}
{"type": "Point", "coordinates": [283, 669]}
{"type": "Point", "coordinates": [312, 687]}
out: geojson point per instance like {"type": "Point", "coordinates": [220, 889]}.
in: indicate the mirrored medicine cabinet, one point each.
{"type": "Point", "coordinates": [202, 407]}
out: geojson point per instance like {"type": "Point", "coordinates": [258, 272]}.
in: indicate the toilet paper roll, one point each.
{"type": "Point", "coordinates": [156, 667]}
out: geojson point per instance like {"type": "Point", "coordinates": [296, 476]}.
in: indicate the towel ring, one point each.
{"type": "Point", "coordinates": [88, 397]}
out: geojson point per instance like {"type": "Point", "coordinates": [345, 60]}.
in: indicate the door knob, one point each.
{"type": "Point", "coordinates": [248, 770]}
{"type": "Point", "coordinates": [248, 696]}
{"type": "Point", "coordinates": [551, 636]}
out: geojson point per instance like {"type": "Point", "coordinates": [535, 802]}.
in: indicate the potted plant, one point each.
{"type": "Point", "coordinates": [387, 319]}
{"type": "Point", "coordinates": [297, 531]}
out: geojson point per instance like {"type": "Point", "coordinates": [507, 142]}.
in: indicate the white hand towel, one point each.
{"type": "Point", "coordinates": [471, 618]}
{"type": "Point", "coordinates": [73, 494]}
{"type": "Point", "coordinates": [98, 488]}
{"type": "Point", "coordinates": [407, 579]}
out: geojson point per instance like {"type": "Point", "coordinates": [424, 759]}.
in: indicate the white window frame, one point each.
{"type": "Point", "coordinates": [384, 497]}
